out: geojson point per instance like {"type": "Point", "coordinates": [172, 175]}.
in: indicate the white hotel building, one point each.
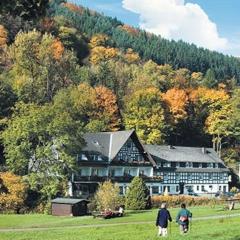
{"type": "Point", "coordinates": [120, 156]}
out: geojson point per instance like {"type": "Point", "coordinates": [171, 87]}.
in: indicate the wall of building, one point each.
{"type": "Point", "coordinates": [159, 188]}
{"type": "Point", "coordinates": [61, 209]}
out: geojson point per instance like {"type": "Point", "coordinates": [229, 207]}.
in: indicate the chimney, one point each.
{"type": "Point", "coordinates": [204, 150]}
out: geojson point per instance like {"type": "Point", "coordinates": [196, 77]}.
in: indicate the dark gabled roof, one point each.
{"type": "Point", "coordinates": [109, 144]}
{"type": "Point", "coordinates": [117, 141]}
{"type": "Point", "coordinates": [106, 143]}
{"type": "Point", "coordinates": [97, 142]}
{"type": "Point", "coordinates": [183, 154]}
{"type": "Point", "coordinates": [70, 201]}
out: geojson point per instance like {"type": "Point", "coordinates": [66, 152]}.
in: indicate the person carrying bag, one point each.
{"type": "Point", "coordinates": [183, 218]}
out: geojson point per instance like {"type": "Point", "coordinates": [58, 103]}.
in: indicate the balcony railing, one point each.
{"type": "Point", "coordinates": [127, 178]}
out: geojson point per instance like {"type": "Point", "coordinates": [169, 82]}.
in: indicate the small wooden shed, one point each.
{"type": "Point", "coordinates": [69, 207]}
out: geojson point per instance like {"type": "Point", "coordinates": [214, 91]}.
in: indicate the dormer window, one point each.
{"type": "Point", "coordinates": [95, 142]}
{"type": "Point", "coordinates": [188, 164]}
{"type": "Point", "coordinates": [83, 157]}
{"type": "Point", "coordinates": [210, 165]}
{"type": "Point", "coordinates": [166, 164]}
{"type": "Point", "coordinates": [182, 164]}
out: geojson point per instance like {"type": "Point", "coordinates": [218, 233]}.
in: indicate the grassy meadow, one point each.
{"type": "Point", "coordinates": [135, 225]}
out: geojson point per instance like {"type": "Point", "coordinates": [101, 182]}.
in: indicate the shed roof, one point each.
{"type": "Point", "coordinates": [70, 201]}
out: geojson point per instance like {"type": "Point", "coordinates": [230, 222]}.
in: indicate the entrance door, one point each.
{"type": "Point", "coordinates": [181, 188]}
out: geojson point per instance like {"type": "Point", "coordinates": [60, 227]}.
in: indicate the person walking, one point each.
{"type": "Point", "coordinates": [162, 220]}
{"type": "Point", "coordinates": [183, 218]}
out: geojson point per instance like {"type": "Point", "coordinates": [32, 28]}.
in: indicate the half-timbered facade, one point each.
{"type": "Point", "coordinates": [120, 156]}
{"type": "Point", "coordinates": [189, 170]}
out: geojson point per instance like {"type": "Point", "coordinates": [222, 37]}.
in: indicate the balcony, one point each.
{"type": "Point", "coordinates": [90, 178]}
{"type": "Point", "coordinates": [126, 178]}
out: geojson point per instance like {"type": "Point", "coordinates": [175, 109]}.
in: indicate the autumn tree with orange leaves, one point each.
{"type": "Point", "coordinates": [12, 192]}
{"type": "Point", "coordinates": [177, 100]}
{"type": "Point", "coordinates": [3, 46]}
{"type": "Point", "coordinates": [107, 107]}
{"type": "Point", "coordinates": [96, 108]}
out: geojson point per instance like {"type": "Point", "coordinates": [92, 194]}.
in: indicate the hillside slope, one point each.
{"type": "Point", "coordinates": [149, 46]}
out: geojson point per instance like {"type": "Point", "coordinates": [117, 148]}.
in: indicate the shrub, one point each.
{"type": "Point", "coordinates": [175, 201]}
{"type": "Point", "coordinates": [107, 196]}
{"type": "Point", "coordinates": [137, 196]}
{"type": "Point", "coordinates": [234, 190]}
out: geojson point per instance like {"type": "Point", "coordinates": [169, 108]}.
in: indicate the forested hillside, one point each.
{"type": "Point", "coordinates": [149, 46]}
{"type": "Point", "coordinates": [66, 70]}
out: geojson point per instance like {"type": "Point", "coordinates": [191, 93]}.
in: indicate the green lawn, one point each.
{"type": "Point", "coordinates": [64, 228]}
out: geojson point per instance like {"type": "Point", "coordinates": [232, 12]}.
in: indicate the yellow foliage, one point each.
{"type": "Point", "coordinates": [84, 98]}
{"type": "Point", "coordinates": [131, 56]}
{"type": "Point", "coordinates": [144, 112]}
{"type": "Point", "coordinates": [57, 48]}
{"type": "Point", "coordinates": [101, 53]}
{"type": "Point", "coordinates": [3, 36]}
{"type": "Point", "coordinates": [12, 191]}
{"type": "Point", "coordinates": [20, 82]}
{"type": "Point", "coordinates": [206, 95]}
{"type": "Point", "coordinates": [107, 196]}
{"type": "Point", "coordinates": [219, 121]}
{"type": "Point", "coordinates": [177, 100]}
{"type": "Point", "coordinates": [196, 76]}
{"type": "Point", "coordinates": [98, 40]}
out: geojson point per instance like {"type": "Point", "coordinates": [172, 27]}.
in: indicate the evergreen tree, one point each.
{"type": "Point", "coordinates": [179, 54]}
{"type": "Point", "coordinates": [137, 196]}
{"type": "Point", "coordinates": [209, 79]}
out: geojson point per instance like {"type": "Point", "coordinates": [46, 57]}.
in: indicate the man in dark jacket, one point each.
{"type": "Point", "coordinates": [183, 218]}
{"type": "Point", "coordinates": [162, 220]}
